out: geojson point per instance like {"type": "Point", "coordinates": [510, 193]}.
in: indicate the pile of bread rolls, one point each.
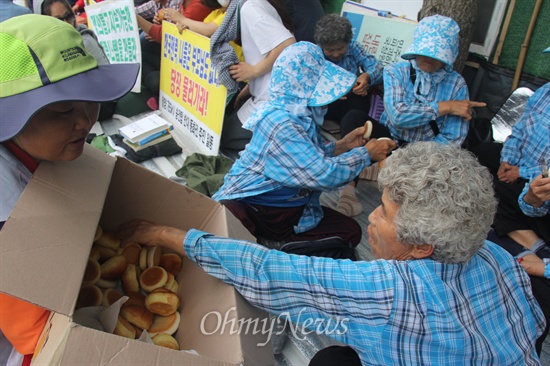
{"type": "Point", "coordinates": [144, 274]}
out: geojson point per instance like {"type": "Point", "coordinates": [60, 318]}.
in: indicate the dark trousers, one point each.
{"type": "Point", "coordinates": [488, 154]}
{"type": "Point", "coordinates": [357, 118]}
{"type": "Point", "coordinates": [541, 291]}
{"type": "Point", "coordinates": [277, 223]}
{"type": "Point", "coordinates": [339, 108]}
{"type": "Point", "coordinates": [336, 356]}
{"type": "Point", "coordinates": [509, 216]}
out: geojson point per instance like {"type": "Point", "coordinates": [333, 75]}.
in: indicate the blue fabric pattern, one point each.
{"type": "Point", "coordinates": [357, 60]}
{"type": "Point", "coordinates": [287, 148]}
{"type": "Point", "coordinates": [530, 138]}
{"type": "Point", "coordinates": [415, 312]}
{"type": "Point", "coordinates": [435, 37]}
{"type": "Point", "coordinates": [408, 112]}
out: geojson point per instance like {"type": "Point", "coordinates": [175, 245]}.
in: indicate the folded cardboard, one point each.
{"type": "Point", "coordinates": [45, 243]}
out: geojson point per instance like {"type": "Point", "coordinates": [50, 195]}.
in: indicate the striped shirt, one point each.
{"type": "Point", "coordinates": [149, 9]}
{"type": "Point", "coordinates": [357, 61]}
{"type": "Point", "coordinates": [288, 151]}
{"type": "Point", "coordinates": [408, 118]}
{"type": "Point", "coordinates": [417, 312]}
{"type": "Point", "coordinates": [530, 138]}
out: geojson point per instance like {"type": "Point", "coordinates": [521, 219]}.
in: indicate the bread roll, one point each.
{"type": "Point", "coordinates": [131, 252]}
{"type": "Point", "coordinates": [108, 240]}
{"type": "Point", "coordinates": [153, 256]}
{"type": "Point", "coordinates": [90, 295]}
{"type": "Point", "coordinates": [165, 324]}
{"type": "Point", "coordinates": [368, 130]}
{"type": "Point", "coordinates": [113, 267]}
{"type": "Point", "coordinates": [162, 302]}
{"type": "Point", "coordinates": [110, 296]}
{"type": "Point", "coordinates": [138, 332]}
{"type": "Point", "coordinates": [153, 278]}
{"type": "Point", "coordinates": [104, 253]}
{"type": "Point", "coordinates": [160, 14]}
{"type": "Point", "coordinates": [165, 340]}
{"type": "Point", "coordinates": [143, 259]}
{"type": "Point", "coordinates": [98, 232]}
{"type": "Point", "coordinates": [124, 328]}
{"type": "Point", "coordinates": [170, 281]}
{"type": "Point", "coordinates": [105, 283]}
{"type": "Point", "coordinates": [171, 262]}
{"type": "Point", "coordinates": [138, 316]}
{"type": "Point", "coordinates": [135, 298]}
{"type": "Point", "coordinates": [174, 287]}
{"type": "Point", "coordinates": [92, 272]}
{"type": "Point", "coordinates": [95, 254]}
{"type": "Point", "coordinates": [130, 280]}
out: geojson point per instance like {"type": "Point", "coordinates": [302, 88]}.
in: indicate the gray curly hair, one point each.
{"type": "Point", "coordinates": [332, 29]}
{"type": "Point", "coordinates": [445, 199]}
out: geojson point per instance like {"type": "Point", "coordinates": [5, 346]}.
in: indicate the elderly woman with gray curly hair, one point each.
{"type": "Point", "coordinates": [437, 293]}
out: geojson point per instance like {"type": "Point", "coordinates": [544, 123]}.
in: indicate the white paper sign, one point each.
{"type": "Point", "coordinates": [115, 25]}
{"type": "Point", "coordinates": [384, 37]}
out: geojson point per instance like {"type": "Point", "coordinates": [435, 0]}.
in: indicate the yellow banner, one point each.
{"type": "Point", "coordinates": [189, 94]}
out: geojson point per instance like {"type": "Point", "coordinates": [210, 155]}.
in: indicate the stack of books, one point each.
{"type": "Point", "coordinates": [146, 132]}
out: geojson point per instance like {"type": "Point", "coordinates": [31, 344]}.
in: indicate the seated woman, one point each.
{"type": "Point", "coordinates": [44, 118]}
{"type": "Point", "coordinates": [437, 293]}
{"type": "Point", "coordinates": [274, 187]}
{"type": "Point", "coordinates": [333, 33]}
{"type": "Point", "coordinates": [424, 98]}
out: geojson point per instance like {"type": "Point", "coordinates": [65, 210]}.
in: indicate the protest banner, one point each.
{"type": "Point", "coordinates": [190, 96]}
{"type": "Point", "coordinates": [381, 34]}
{"type": "Point", "coordinates": [115, 25]}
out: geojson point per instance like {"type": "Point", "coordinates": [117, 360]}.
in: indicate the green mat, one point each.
{"type": "Point", "coordinates": [536, 63]}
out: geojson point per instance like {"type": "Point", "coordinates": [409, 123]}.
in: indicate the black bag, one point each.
{"type": "Point", "coordinates": [331, 247]}
{"type": "Point", "coordinates": [480, 131]}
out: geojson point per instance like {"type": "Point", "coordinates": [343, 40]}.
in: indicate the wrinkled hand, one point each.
{"type": "Point", "coordinates": [508, 173]}
{"type": "Point", "coordinates": [242, 71]}
{"type": "Point", "coordinates": [362, 85]}
{"type": "Point", "coordinates": [539, 191]}
{"type": "Point", "coordinates": [380, 148]}
{"type": "Point", "coordinates": [152, 234]}
{"type": "Point", "coordinates": [533, 265]}
{"type": "Point", "coordinates": [353, 139]}
{"type": "Point", "coordinates": [149, 38]}
{"type": "Point", "coordinates": [156, 19]}
{"type": "Point", "coordinates": [462, 108]}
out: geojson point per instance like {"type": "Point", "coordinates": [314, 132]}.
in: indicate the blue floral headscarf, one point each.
{"type": "Point", "coordinates": [436, 37]}
{"type": "Point", "coordinates": [301, 79]}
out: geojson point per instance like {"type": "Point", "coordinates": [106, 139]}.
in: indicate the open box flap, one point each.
{"type": "Point", "coordinates": [45, 243]}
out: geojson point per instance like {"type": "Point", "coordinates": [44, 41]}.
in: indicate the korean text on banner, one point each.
{"type": "Point", "coordinates": [115, 25]}
{"type": "Point", "coordinates": [190, 96]}
{"type": "Point", "coordinates": [384, 37]}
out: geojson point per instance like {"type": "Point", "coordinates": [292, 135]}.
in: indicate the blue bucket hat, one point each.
{"type": "Point", "coordinates": [302, 74]}
{"type": "Point", "coordinates": [436, 37]}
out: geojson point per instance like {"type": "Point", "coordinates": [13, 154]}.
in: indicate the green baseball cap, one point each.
{"type": "Point", "coordinates": [44, 61]}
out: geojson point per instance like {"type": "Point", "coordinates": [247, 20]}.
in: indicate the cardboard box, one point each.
{"type": "Point", "coordinates": [45, 244]}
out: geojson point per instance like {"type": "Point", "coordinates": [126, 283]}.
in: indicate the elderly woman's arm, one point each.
{"type": "Point", "coordinates": [244, 71]}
